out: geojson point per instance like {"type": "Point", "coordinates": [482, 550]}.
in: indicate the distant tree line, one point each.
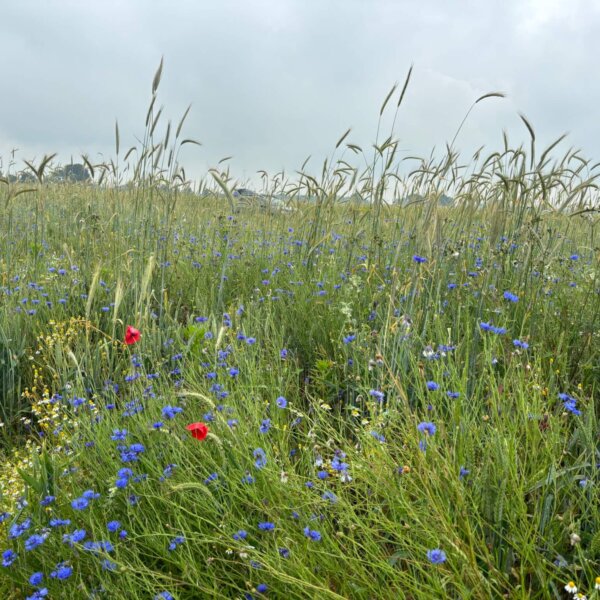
{"type": "Point", "coordinates": [71, 173]}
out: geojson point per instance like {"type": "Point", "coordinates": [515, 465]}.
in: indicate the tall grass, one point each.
{"type": "Point", "coordinates": [418, 377]}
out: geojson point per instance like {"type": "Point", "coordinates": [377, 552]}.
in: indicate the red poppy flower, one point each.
{"type": "Point", "coordinates": [198, 430]}
{"type": "Point", "coordinates": [132, 335]}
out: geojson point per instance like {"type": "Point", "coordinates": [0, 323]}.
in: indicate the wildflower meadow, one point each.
{"type": "Point", "coordinates": [339, 388]}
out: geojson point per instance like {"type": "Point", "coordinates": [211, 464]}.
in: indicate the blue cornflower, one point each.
{"type": "Point", "coordinates": [426, 428]}
{"type": "Point", "coordinates": [569, 403]}
{"type": "Point", "coordinates": [80, 503]}
{"type": "Point", "coordinates": [349, 338]}
{"type": "Point", "coordinates": [436, 556]}
{"type": "Point", "coordinates": [463, 472]}
{"type": "Point", "coordinates": [284, 553]}
{"type": "Point", "coordinates": [499, 330]}
{"type": "Point", "coordinates": [378, 436]}
{"type": "Point", "coordinates": [212, 477]}
{"type": "Point", "coordinates": [240, 535]}
{"type": "Point", "coordinates": [281, 402]}
{"type": "Point", "coordinates": [38, 594]}
{"type": "Point", "coordinates": [250, 341]}
{"type": "Point", "coordinates": [113, 526]}
{"type": "Point", "coordinates": [266, 526]}
{"type": "Point", "coordinates": [165, 595]}
{"type": "Point", "coordinates": [59, 522]}
{"type": "Point", "coordinates": [322, 475]}
{"type": "Point", "coordinates": [283, 353]}
{"type": "Point", "coordinates": [312, 535]}
{"type": "Point", "coordinates": [248, 478]}
{"type": "Point", "coordinates": [101, 546]}
{"type": "Point", "coordinates": [329, 496]}
{"type": "Point", "coordinates": [47, 500]}
{"type": "Point", "coordinates": [36, 578]}
{"type": "Point", "coordinates": [169, 412]}
{"type": "Point", "coordinates": [377, 394]}
{"type": "Point", "coordinates": [90, 495]}
{"type": "Point", "coordinates": [176, 541]}
{"type": "Point", "coordinates": [18, 529]}
{"type": "Point", "coordinates": [570, 407]}
{"type": "Point", "coordinates": [62, 571]}
{"type": "Point", "coordinates": [74, 538]}
{"type": "Point", "coordinates": [8, 558]}
{"type": "Point", "coordinates": [453, 395]}
{"type": "Point", "coordinates": [419, 259]}
{"type": "Point", "coordinates": [261, 588]}
{"type": "Point", "coordinates": [486, 326]}
{"type": "Point", "coordinates": [108, 565]}
{"type": "Point", "coordinates": [119, 435]}
{"type": "Point", "coordinates": [33, 541]}
{"type": "Point", "coordinates": [265, 425]}
{"type": "Point", "coordinates": [520, 344]}
{"type": "Point", "coordinates": [432, 386]}
{"type": "Point", "coordinates": [510, 296]}
{"type": "Point", "coordinates": [337, 464]}
{"type": "Point", "coordinates": [260, 458]}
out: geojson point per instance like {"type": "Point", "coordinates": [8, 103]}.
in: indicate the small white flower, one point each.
{"type": "Point", "coordinates": [571, 587]}
{"type": "Point", "coordinates": [428, 352]}
{"type": "Point", "coordinates": [574, 539]}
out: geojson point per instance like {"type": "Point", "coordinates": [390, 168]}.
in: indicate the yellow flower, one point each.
{"type": "Point", "coordinates": [597, 585]}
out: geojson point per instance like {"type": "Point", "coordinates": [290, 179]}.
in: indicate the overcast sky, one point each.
{"type": "Point", "coordinates": [274, 81]}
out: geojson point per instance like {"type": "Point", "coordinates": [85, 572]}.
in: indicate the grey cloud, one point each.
{"type": "Point", "coordinates": [273, 81]}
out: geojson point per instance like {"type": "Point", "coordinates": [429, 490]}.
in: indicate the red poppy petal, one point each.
{"type": "Point", "coordinates": [199, 431]}
{"type": "Point", "coordinates": [132, 335]}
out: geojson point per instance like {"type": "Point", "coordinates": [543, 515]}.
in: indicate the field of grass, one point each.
{"type": "Point", "coordinates": [401, 402]}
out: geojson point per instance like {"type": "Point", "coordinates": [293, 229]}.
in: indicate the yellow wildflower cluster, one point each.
{"type": "Point", "coordinates": [11, 484]}
{"type": "Point", "coordinates": [52, 418]}
{"type": "Point", "coordinates": [64, 333]}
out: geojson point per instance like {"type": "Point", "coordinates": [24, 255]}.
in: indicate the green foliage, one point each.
{"type": "Point", "coordinates": [315, 333]}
